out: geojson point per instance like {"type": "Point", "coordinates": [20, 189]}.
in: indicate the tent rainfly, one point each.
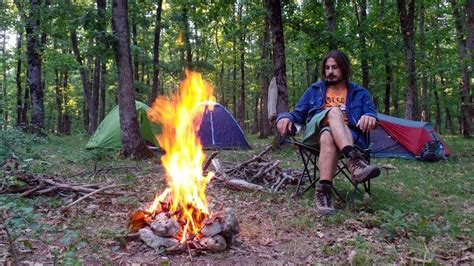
{"type": "Point", "coordinates": [397, 137]}
{"type": "Point", "coordinates": [109, 135]}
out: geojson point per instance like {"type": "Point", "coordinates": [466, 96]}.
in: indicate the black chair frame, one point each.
{"type": "Point", "coordinates": [309, 156]}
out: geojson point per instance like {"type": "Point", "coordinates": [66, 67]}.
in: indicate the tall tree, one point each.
{"type": "Point", "coordinates": [101, 60]}
{"type": "Point", "coordinates": [279, 62]}
{"type": "Point", "coordinates": [133, 144]}
{"type": "Point", "coordinates": [469, 10]}
{"type": "Point", "coordinates": [388, 80]}
{"type": "Point", "coordinates": [361, 17]}
{"type": "Point", "coordinates": [265, 130]}
{"type": "Point", "coordinates": [19, 95]}
{"type": "Point", "coordinates": [83, 70]}
{"type": "Point", "coordinates": [330, 8]}
{"type": "Point", "coordinates": [3, 84]}
{"type": "Point", "coordinates": [406, 13]}
{"type": "Point", "coordinates": [241, 114]}
{"type": "Point", "coordinates": [425, 110]}
{"type": "Point", "coordinates": [156, 53]}
{"type": "Point", "coordinates": [33, 40]}
{"type": "Point", "coordinates": [464, 82]}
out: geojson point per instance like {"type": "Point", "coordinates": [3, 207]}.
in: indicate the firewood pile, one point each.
{"type": "Point", "coordinates": [255, 174]}
{"type": "Point", "coordinates": [25, 184]}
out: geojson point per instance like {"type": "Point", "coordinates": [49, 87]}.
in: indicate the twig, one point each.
{"type": "Point", "coordinates": [64, 209]}
{"type": "Point", "coordinates": [189, 252]}
{"type": "Point", "coordinates": [282, 182]}
{"type": "Point", "coordinates": [208, 161]}
{"type": "Point", "coordinates": [266, 170]}
{"type": "Point", "coordinates": [267, 149]}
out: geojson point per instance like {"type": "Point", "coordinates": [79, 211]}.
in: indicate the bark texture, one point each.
{"type": "Point", "coordinates": [133, 144]}
{"type": "Point", "coordinates": [406, 13]}
{"type": "Point", "coordinates": [279, 62]}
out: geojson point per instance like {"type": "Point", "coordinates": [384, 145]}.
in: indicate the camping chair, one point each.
{"type": "Point", "coordinates": [309, 156]}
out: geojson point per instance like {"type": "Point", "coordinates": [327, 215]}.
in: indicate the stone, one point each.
{"type": "Point", "coordinates": [211, 229]}
{"type": "Point", "coordinates": [164, 226]}
{"type": "Point", "coordinates": [215, 243]}
{"type": "Point", "coordinates": [154, 241]}
{"type": "Point", "coordinates": [229, 222]}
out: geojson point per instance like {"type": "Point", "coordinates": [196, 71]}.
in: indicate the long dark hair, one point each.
{"type": "Point", "coordinates": [342, 61]}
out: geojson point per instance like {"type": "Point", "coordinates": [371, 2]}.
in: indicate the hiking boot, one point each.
{"type": "Point", "coordinates": [360, 170]}
{"type": "Point", "coordinates": [323, 200]}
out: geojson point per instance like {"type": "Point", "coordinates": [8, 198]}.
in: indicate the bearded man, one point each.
{"type": "Point", "coordinates": [332, 109]}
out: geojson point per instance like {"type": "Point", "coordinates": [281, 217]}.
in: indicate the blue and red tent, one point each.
{"type": "Point", "coordinates": [397, 137]}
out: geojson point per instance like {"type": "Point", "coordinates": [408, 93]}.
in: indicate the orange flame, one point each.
{"type": "Point", "coordinates": [181, 115]}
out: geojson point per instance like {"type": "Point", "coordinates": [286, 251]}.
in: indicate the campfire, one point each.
{"type": "Point", "coordinates": [179, 217]}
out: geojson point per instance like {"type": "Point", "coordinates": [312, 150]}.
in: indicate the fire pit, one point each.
{"type": "Point", "coordinates": [179, 218]}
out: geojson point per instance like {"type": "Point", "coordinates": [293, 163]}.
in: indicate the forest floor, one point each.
{"type": "Point", "coordinates": [418, 212]}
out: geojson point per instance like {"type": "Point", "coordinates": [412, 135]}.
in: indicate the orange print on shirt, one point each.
{"type": "Point", "coordinates": [335, 98]}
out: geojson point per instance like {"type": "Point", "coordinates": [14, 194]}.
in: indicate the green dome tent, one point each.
{"type": "Point", "coordinates": [109, 135]}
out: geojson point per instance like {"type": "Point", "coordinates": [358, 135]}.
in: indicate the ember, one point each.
{"type": "Point", "coordinates": [180, 214]}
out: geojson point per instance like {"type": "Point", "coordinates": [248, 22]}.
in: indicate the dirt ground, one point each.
{"type": "Point", "coordinates": [274, 229]}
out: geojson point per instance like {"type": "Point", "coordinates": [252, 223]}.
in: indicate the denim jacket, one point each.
{"type": "Point", "coordinates": [358, 103]}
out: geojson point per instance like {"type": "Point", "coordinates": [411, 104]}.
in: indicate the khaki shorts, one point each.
{"type": "Point", "coordinates": [314, 128]}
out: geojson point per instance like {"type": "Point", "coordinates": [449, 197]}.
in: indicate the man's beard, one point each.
{"type": "Point", "coordinates": [333, 82]}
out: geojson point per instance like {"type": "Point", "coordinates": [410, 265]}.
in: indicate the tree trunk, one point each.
{"type": "Point", "coordinates": [234, 78]}
{"type": "Point", "coordinates": [241, 117]}
{"type": "Point", "coordinates": [448, 118]}
{"type": "Point", "coordinates": [465, 119]}
{"type": "Point", "coordinates": [95, 93]}
{"type": "Point", "coordinates": [329, 7]}
{"type": "Point", "coordinates": [425, 111]}
{"type": "Point", "coordinates": [88, 100]}
{"type": "Point", "coordinates": [438, 108]}
{"type": "Point", "coordinates": [361, 16]}
{"type": "Point", "coordinates": [103, 87]}
{"type": "Point", "coordinates": [26, 106]}
{"type": "Point", "coordinates": [156, 53]}
{"type": "Point", "coordinates": [279, 64]}
{"type": "Point", "coordinates": [19, 94]}
{"type": "Point", "coordinates": [254, 127]}
{"type": "Point", "coordinates": [388, 80]}
{"type": "Point", "coordinates": [59, 101]}
{"type": "Point", "coordinates": [66, 120]}
{"type": "Point", "coordinates": [221, 86]}
{"type": "Point", "coordinates": [407, 18]}
{"type": "Point", "coordinates": [3, 107]}
{"type": "Point", "coordinates": [135, 45]}
{"type": "Point", "coordinates": [187, 37]}
{"type": "Point", "coordinates": [469, 10]}
{"type": "Point", "coordinates": [264, 127]}
{"type": "Point", "coordinates": [33, 40]}
{"type": "Point", "coordinates": [133, 144]}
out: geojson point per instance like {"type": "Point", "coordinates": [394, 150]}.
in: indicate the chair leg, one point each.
{"type": "Point", "coordinates": [308, 157]}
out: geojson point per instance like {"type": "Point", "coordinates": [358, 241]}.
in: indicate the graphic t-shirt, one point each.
{"type": "Point", "coordinates": [336, 98]}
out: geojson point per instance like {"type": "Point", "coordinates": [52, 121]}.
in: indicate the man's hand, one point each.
{"type": "Point", "coordinates": [366, 123]}
{"type": "Point", "coordinates": [284, 125]}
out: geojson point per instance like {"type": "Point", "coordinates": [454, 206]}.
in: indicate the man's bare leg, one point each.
{"type": "Point", "coordinates": [328, 156]}
{"type": "Point", "coordinates": [340, 132]}
{"type": "Point", "coordinates": [342, 136]}
{"type": "Point", "coordinates": [327, 162]}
